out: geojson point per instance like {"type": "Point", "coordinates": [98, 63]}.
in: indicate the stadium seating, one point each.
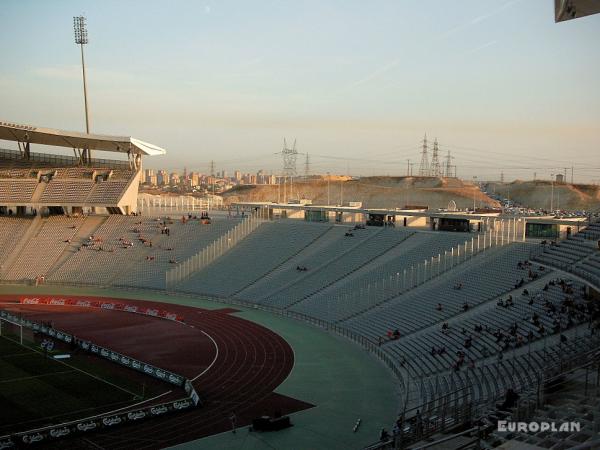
{"type": "Point", "coordinates": [417, 308]}
{"type": "Point", "coordinates": [568, 252]}
{"type": "Point", "coordinates": [12, 229]}
{"type": "Point", "coordinates": [415, 349]}
{"type": "Point", "coordinates": [267, 268]}
{"type": "Point", "coordinates": [352, 291]}
{"type": "Point", "coordinates": [111, 260]}
{"type": "Point", "coordinates": [572, 405]}
{"type": "Point", "coordinates": [64, 183]}
{"type": "Point", "coordinates": [337, 267]}
{"type": "Point", "coordinates": [17, 190]}
{"type": "Point", "coordinates": [107, 191]}
{"type": "Point", "coordinates": [332, 245]}
{"type": "Point", "coordinates": [255, 256]}
{"type": "Point", "coordinates": [184, 241]}
{"type": "Point", "coordinates": [42, 250]}
{"type": "Point", "coordinates": [59, 191]}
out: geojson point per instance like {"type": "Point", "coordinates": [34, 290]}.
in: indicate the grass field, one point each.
{"type": "Point", "coordinates": [37, 391]}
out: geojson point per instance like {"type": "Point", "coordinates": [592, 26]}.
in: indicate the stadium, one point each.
{"type": "Point", "coordinates": [136, 322]}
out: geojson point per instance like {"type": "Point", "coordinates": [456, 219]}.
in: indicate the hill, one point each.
{"type": "Point", "coordinates": [537, 194]}
{"type": "Point", "coordinates": [373, 192]}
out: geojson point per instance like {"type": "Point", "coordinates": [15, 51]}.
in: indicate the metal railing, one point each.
{"type": "Point", "coordinates": [213, 251]}
{"type": "Point", "coordinates": [50, 159]}
{"type": "Point", "coordinates": [460, 407]}
{"type": "Point", "coordinates": [382, 290]}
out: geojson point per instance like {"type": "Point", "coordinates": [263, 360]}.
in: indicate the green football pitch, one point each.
{"type": "Point", "coordinates": [36, 390]}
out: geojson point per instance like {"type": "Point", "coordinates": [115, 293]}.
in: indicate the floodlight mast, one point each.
{"type": "Point", "coordinates": [81, 38]}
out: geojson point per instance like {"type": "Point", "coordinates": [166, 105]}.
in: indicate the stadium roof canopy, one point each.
{"type": "Point", "coordinates": [74, 139]}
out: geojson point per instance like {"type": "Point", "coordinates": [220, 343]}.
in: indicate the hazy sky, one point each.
{"type": "Point", "coordinates": [357, 83]}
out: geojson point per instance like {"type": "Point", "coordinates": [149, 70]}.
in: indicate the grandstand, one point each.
{"type": "Point", "coordinates": [31, 182]}
{"type": "Point", "coordinates": [458, 317]}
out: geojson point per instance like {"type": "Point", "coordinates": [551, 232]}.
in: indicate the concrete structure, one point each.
{"type": "Point", "coordinates": [47, 183]}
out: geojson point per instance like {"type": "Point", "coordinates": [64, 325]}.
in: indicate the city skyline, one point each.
{"type": "Point", "coordinates": [498, 83]}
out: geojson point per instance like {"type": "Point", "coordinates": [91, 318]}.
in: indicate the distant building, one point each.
{"type": "Point", "coordinates": [148, 174]}
{"type": "Point", "coordinates": [162, 178]}
{"type": "Point", "coordinates": [560, 178]}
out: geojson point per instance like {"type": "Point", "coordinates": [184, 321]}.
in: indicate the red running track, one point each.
{"type": "Point", "coordinates": [251, 362]}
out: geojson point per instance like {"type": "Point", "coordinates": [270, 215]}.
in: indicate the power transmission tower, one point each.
{"type": "Point", "coordinates": [435, 163]}
{"type": "Point", "coordinates": [448, 164]}
{"type": "Point", "coordinates": [289, 159]}
{"type": "Point", "coordinates": [424, 166]}
{"type": "Point", "coordinates": [307, 167]}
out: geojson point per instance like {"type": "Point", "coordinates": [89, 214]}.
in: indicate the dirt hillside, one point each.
{"type": "Point", "coordinates": [373, 192]}
{"type": "Point", "coordinates": [537, 194]}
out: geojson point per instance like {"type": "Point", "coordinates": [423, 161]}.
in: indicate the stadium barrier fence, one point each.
{"type": "Point", "coordinates": [382, 290]}
{"type": "Point", "coordinates": [213, 251]}
{"type": "Point", "coordinates": [459, 407]}
{"type": "Point", "coordinates": [106, 420]}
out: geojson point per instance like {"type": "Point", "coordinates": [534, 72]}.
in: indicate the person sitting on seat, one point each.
{"type": "Point", "coordinates": [439, 307]}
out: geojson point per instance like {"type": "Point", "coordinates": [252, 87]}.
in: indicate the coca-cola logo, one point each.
{"type": "Point", "coordinates": [31, 301]}
{"type": "Point", "coordinates": [130, 308]}
{"type": "Point", "coordinates": [136, 365]}
{"type": "Point", "coordinates": [107, 305]}
{"type": "Point", "coordinates": [174, 379]}
{"type": "Point", "coordinates": [171, 316]}
{"type": "Point", "coordinates": [160, 374]}
{"type": "Point", "coordinates": [57, 301]}
{"type": "Point", "coordinates": [152, 312]}
{"type": "Point", "coordinates": [125, 360]}
{"type": "Point", "coordinates": [84, 303]}
{"type": "Point", "coordinates": [104, 352]}
{"type": "Point", "coordinates": [148, 369]}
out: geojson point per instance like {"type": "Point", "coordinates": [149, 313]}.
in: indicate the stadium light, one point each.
{"type": "Point", "coordinates": [80, 30]}
{"type": "Point", "coordinates": [81, 38]}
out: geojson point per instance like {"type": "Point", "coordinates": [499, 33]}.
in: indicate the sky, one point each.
{"type": "Point", "coordinates": [502, 86]}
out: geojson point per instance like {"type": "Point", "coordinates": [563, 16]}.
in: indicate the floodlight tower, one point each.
{"type": "Point", "coordinates": [81, 38]}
